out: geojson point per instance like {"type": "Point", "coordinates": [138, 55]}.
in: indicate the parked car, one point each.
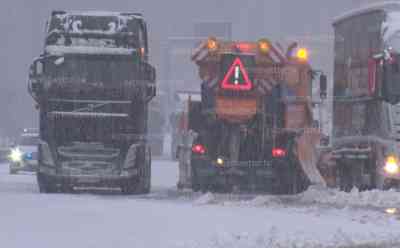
{"type": "Point", "coordinates": [23, 156]}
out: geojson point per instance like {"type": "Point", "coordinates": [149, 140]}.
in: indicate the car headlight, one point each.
{"type": "Point", "coordinates": [16, 155]}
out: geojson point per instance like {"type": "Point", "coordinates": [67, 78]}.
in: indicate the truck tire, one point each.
{"type": "Point", "coordinates": [45, 186]}
{"type": "Point", "coordinates": [143, 183]}
{"type": "Point", "coordinates": [174, 150]}
{"type": "Point", "coordinates": [292, 178]}
{"type": "Point", "coordinates": [65, 188]}
{"type": "Point", "coordinates": [201, 185]}
{"type": "Point", "coordinates": [196, 187]}
{"type": "Point", "coordinates": [196, 184]}
{"type": "Point", "coordinates": [350, 175]}
{"type": "Point", "coordinates": [141, 186]}
{"type": "Point", "coordinates": [129, 188]}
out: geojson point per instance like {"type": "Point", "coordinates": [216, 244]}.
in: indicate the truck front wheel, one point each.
{"type": "Point", "coordinates": [143, 184]}
{"type": "Point", "coordinates": [44, 185]}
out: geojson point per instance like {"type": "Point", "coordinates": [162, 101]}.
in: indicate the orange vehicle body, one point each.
{"type": "Point", "coordinates": [236, 107]}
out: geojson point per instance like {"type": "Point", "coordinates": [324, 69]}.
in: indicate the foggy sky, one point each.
{"type": "Point", "coordinates": [22, 33]}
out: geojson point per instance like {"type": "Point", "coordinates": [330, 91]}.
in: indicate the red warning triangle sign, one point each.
{"type": "Point", "coordinates": [237, 77]}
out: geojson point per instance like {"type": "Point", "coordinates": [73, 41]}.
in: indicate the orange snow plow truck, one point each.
{"type": "Point", "coordinates": [253, 128]}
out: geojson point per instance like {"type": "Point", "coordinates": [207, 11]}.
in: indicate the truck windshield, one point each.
{"type": "Point", "coordinates": [79, 23]}
{"type": "Point", "coordinates": [391, 30]}
{"type": "Point", "coordinates": [96, 69]}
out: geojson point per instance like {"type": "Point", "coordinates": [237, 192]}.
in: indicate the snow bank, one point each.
{"type": "Point", "coordinates": [373, 198]}
{"type": "Point", "coordinates": [238, 200]}
{"type": "Point", "coordinates": [163, 220]}
{"type": "Point", "coordinates": [208, 198]}
{"type": "Point", "coordinates": [279, 239]}
{"type": "Point", "coordinates": [314, 196]}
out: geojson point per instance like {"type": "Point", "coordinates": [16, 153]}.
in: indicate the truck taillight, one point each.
{"type": "Point", "coordinates": [278, 153]}
{"type": "Point", "coordinates": [198, 149]}
{"type": "Point", "coordinates": [244, 47]}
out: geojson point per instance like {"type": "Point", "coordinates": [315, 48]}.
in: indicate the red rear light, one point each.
{"type": "Point", "coordinates": [278, 153]}
{"type": "Point", "coordinates": [244, 47]}
{"type": "Point", "coordinates": [199, 149]}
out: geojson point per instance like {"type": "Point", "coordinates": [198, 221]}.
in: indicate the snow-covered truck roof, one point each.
{"type": "Point", "coordinates": [93, 22]}
{"type": "Point", "coordinates": [93, 32]}
{"type": "Point", "coordinates": [384, 6]}
{"type": "Point", "coordinates": [62, 50]}
{"type": "Point", "coordinates": [99, 13]}
{"type": "Point", "coordinates": [389, 25]}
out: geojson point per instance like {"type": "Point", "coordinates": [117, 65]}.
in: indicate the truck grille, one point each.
{"type": "Point", "coordinates": [88, 159]}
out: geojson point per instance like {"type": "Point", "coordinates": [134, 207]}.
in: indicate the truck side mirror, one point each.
{"type": "Point", "coordinates": [149, 72]}
{"type": "Point", "coordinates": [150, 92]}
{"type": "Point", "coordinates": [36, 69]}
{"type": "Point", "coordinates": [153, 74]}
{"type": "Point", "coordinates": [391, 79]}
{"type": "Point", "coordinates": [323, 86]}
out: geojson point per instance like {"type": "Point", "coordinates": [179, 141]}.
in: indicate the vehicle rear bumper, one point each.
{"type": "Point", "coordinates": [254, 175]}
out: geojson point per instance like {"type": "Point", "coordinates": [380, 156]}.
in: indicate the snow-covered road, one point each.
{"type": "Point", "coordinates": [167, 218]}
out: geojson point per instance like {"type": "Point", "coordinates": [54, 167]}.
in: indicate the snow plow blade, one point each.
{"type": "Point", "coordinates": [309, 156]}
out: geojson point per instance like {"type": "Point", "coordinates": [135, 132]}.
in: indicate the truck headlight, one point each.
{"type": "Point", "coordinates": [16, 155]}
{"type": "Point", "coordinates": [220, 162]}
{"type": "Point", "coordinates": [391, 166]}
{"type": "Point", "coordinates": [130, 160]}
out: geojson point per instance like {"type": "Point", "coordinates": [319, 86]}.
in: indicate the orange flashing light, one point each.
{"type": "Point", "coordinates": [264, 46]}
{"type": "Point", "coordinates": [212, 44]}
{"type": "Point", "coordinates": [302, 54]}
